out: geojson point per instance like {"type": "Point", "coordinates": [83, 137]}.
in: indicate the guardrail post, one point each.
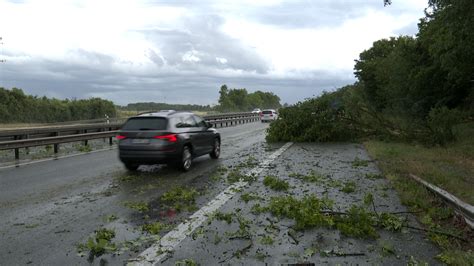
{"type": "Point", "coordinates": [85, 141]}
{"type": "Point", "coordinates": [17, 151]}
{"type": "Point", "coordinates": [111, 140]}
{"type": "Point", "coordinates": [27, 149]}
{"type": "Point", "coordinates": [56, 146]}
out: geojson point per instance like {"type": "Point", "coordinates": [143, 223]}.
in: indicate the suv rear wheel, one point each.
{"type": "Point", "coordinates": [186, 159]}
{"type": "Point", "coordinates": [216, 151]}
{"type": "Point", "coordinates": [131, 167]}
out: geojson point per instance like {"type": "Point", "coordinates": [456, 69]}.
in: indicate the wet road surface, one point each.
{"type": "Point", "coordinates": [262, 238]}
{"type": "Point", "coordinates": [47, 209]}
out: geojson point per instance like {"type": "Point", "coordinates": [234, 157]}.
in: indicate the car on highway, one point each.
{"type": "Point", "coordinates": [168, 137]}
{"type": "Point", "coordinates": [256, 111]}
{"type": "Point", "coordinates": [268, 115]}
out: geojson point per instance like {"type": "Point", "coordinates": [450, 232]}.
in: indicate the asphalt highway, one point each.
{"type": "Point", "coordinates": [47, 208]}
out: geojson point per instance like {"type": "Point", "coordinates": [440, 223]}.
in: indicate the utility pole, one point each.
{"type": "Point", "coordinates": [387, 2]}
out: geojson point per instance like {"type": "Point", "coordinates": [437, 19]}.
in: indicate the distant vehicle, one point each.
{"type": "Point", "coordinates": [268, 115]}
{"type": "Point", "coordinates": [166, 138]}
{"type": "Point", "coordinates": [256, 111]}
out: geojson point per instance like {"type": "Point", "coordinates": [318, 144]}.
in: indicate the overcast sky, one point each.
{"type": "Point", "coordinates": [183, 51]}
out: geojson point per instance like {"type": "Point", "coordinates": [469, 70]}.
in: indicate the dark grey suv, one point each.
{"type": "Point", "coordinates": [166, 137]}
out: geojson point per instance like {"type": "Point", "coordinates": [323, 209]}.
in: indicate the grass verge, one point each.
{"type": "Point", "coordinates": [451, 168]}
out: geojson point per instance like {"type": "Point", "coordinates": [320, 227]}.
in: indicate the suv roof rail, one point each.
{"type": "Point", "coordinates": [147, 112]}
{"type": "Point", "coordinates": [162, 112]}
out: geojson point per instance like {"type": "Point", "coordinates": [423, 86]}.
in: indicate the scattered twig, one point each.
{"type": "Point", "coordinates": [334, 212]}
{"type": "Point", "coordinates": [406, 212]}
{"type": "Point", "coordinates": [375, 210]}
{"type": "Point", "coordinates": [291, 234]}
{"type": "Point", "coordinates": [436, 232]}
{"type": "Point", "coordinates": [350, 254]}
{"type": "Point", "coordinates": [239, 252]}
{"type": "Point", "coordinates": [345, 213]}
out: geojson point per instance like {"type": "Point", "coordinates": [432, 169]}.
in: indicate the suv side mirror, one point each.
{"type": "Point", "coordinates": [209, 125]}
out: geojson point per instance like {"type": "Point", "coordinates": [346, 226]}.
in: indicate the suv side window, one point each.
{"type": "Point", "coordinates": [185, 121]}
{"type": "Point", "coordinates": [200, 122]}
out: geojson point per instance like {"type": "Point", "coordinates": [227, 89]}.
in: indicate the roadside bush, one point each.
{"type": "Point", "coordinates": [440, 123]}
{"type": "Point", "coordinates": [345, 115]}
{"type": "Point", "coordinates": [314, 120]}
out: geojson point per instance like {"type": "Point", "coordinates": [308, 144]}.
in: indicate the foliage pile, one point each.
{"type": "Point", "coordinates": [100, 244]}
{"type": "Point", "coordinates": [306, 212]}
{"type": "Point", "coordinates": [236, 176]}
{"type": "Point", "coordinates": [180, 198]}
{"type": "Point", "coordinates": [155, 228]}
{"type": "Point", "coordinates": [220, 216]}
{"type": "Point", "coordinates": [16, 106]}
{"type": "Point", "coordinates": [275, 183]}
{"type": "Point", "coordinates": [408, 88]}
{"type": "Point", "coordinates": [138, 206]}
{"type": "Point", "coordinates": [312, 212]}
{"type": "Point", "coordinates": [234, 100]}
{"type": "Point", "coordinates": [246, 197]}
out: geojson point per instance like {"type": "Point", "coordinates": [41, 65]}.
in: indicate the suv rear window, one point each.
{"type": "Point", "coordinates": [146, 123]}
{"type": "Point", "coordinates": [267, 112]}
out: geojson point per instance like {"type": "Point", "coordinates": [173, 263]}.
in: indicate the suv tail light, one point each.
{"type": "Point", "coordinates": [170, 137]}
{"type": "Point", "coordinates": [119, 137]}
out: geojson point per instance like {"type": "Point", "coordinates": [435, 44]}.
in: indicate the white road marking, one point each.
{"type": "Point", "coordinates": [154, 254]}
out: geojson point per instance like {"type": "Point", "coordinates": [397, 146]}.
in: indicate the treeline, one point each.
{"type": "Point", "coordinates": [17, 107]}
{"type": "Point", "coordinates": [152, 106]}
{"type": "Point", "coordinates": [239, 100]}
{"type": "Point", "coordinates": [408, 88]}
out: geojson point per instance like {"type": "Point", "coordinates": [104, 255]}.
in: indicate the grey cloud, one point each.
{"type": "Point", "coordinates": [155, 58]}
{"type": "Point", "coordinates": [92, 74]}
{"type": "Point", "coordinates": [206, 42]}
{"type": "Point", "coordinates": [94, 58]}
{"type": "Point", "coordinates": [319, 14]}
{"type": "Point", "coordinates": [173, 87]}
{"type": "Point", "coordinates": [309, 14]}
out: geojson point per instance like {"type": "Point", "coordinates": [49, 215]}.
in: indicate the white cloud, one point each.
{"type": "Point", "coordinates": [221, 60]}
{"type": "Point", "coordinates": [318, 48]}
{"type": "Point", "coordinates": [52, 28]}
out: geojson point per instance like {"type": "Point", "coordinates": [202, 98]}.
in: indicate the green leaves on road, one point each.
{"type": "Point", "coordinates": [180, 198]}
{"type": "Point", "coordinates": [275, 183]}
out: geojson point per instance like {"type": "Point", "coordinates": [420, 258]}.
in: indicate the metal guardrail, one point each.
{"type": "Point", "coordinates": [459, 206]}
{"type": "Point", "coordinates": [38, 132]}
{"type": "Point", "coordinates": [57, 130]}
{"type": "Point", "coordinates": [42, 136]}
